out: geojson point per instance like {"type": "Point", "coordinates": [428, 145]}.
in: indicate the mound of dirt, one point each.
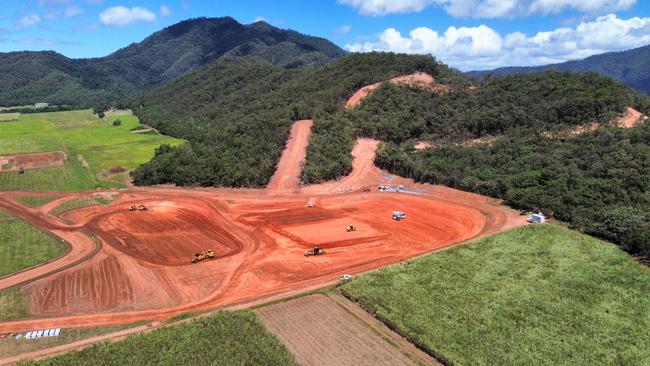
{"type": "Point", "coordinates": [631, 118]}
{"type": "Point", "coordinates": [417, 80]}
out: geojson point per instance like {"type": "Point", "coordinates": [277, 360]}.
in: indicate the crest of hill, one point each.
{"type": "Point", "coordinates": [631, 67]}
{"type": "Point", "coordinates": [165, 55]}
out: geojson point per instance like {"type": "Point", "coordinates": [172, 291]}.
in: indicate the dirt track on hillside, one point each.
{"type": "Point", "coordinates": [139, 267]}
{"type": "Point", "coordinates": [287, 175]}
{"type": "Point", "coordinates": [415, 80]}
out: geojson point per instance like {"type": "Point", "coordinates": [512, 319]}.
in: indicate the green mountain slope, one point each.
{"type": "Point", "coordinates": [30, 77]}
{"type": "Point", "coordinates": [631, 67]}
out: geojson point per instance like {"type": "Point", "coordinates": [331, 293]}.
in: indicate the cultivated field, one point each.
{"type": "Point", "coordinates": [226, 338]}
{"type": "Point", "coordinates": [22, 245]}
{"type": "Point", "coordinates": [4, 117]}
{"type": "Point", "coordinates": [530, 296]}
{"type": "Point", "coordinates": [318, 331]}
{"type": "Point", "coordinates": [78, 150]}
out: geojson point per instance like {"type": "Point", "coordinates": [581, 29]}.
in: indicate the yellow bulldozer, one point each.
{"type": "Point", "coordinates": [202, 256]}
{"type": "Point", "coordinates": [138, 208]}
{"type": "Point", "coordinates": [351, 228]}
{"type": "Point", "coordinates": [314, 251]}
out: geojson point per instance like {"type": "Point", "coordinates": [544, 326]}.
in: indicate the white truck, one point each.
{"type": "Point", "coordinates": [537, 218]}
{"type": "Point", "coordinates": [398, 215]}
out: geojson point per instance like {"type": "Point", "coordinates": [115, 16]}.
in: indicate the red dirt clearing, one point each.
{"type": "Point", "coordinates": [417, 80]}
{"type": "Point", "coordinates": [32, 161]}
{"type": "Point", "coordinates": [143, 270]}
{"type": "Point", "coordinates": [631, 118]}
{"type": "Point", "coordinates": [287, 175]}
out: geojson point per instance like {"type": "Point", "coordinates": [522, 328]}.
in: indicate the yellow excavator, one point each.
{"type": "Point", "coordinates": [138, 208]}
{"type": "Point", "coordinates": [202, 256]}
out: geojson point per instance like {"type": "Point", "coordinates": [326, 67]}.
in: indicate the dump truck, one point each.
{"type": "Point", "coordinates": [314, 251]}
{"type": "Point", "coordinates": [351, 228]}
{"type": "Point", "coordinates": [398, 215]}
{"type": "Point", "coordinates": [202, 256]}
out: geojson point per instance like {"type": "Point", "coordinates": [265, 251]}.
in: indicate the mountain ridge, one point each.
{"type": "Point", "coordinates": [47, 76]}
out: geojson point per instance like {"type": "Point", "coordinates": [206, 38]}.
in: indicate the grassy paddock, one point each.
{"type": "Point", "coordinates": [76, 133]}
{"type": "Point", "coordinates": [534, 295]}
{"type": "Point", "coordinates": [23, 246]}
{"type": "Point", "coordinates": [4, 117]}
{"type": "Point", "coordinates": [226, 338]}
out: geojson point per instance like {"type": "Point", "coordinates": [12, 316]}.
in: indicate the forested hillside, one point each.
{"type": "Point", "coordinates": [237, 115]}
{"type": "Point", "coordinates": [29, 77]}
{"type": "Point", "coordinates": [631, 67]}
{"type": "Point", "coordinates": [504, 140]}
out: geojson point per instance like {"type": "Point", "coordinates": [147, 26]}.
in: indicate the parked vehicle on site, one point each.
{"type": "Point", "coordinates": [202, 256]}
{"type": "Point", "coordinates": [398, 215]}
{"type": "Point", "coordinates": [345, 278]}
{"type": "Point", "coordinates": [351, 228]}
{"type": "Point", "coordinates": [314, 251]}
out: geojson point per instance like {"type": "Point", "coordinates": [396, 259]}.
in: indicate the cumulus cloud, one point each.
{"type": "Point", "coordinates": [28, 21]}
{"type": "Point", "coordinates": [482, 47]}
{"type": "Point", "coordinates": [488, 8]}
{"type": "Point", "coordinates": [164, 11]}
{"type": "Point", "coordinates": [260, 18]}
{"type": "Point", "coordinates": [121, 15]}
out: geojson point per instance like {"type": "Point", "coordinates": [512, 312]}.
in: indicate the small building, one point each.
{"type": "Point", "coordinates": [537, 218]}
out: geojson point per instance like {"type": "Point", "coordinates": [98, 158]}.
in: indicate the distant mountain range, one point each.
{"type": "Point", "coordinates": [29, 77]}
{"type": "Point", "coordinates": [632, 67]}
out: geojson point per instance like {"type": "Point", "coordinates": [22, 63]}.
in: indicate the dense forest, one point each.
{"type": "Point", "coordinates": [31, 77]}
{"type": "Point", "coordinates": [236, 115]}
{"type": "Point", "coordinates": [598, 181]}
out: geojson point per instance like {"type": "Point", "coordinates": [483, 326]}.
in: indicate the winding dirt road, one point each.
{"type": "Point", "coordinates": [287, 175]}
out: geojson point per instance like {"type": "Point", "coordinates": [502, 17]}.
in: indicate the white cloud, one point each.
{"type": "Point", "coordinates": [259, 18]}
{"type": "Point", "coordinates": [72, 11]}
{"type": "Point", "coordinates": [164, 11]}
{"type": "Point", "coordinates": [28, 21]}
{"type": "Point", "coordinates": [482, 47]}
{"type": "Point", "coordinates": [488, 8]}
{"type": "Point", "coordinates": [121, 16]}
{"type": "Point", "coordinates": [344, 29]}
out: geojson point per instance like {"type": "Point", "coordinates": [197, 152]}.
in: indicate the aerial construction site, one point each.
{"type": "Point", "coordinates": [155, 253]}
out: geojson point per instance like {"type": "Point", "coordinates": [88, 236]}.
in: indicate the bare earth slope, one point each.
{"type": "Point", "coordinates": [287, 175]}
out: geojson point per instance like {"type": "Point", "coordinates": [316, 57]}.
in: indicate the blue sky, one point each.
{"type": "Point", "coordinates": [468, 34]}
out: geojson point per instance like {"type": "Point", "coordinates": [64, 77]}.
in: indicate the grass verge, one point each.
{"type": "Point", "coordinates": [76, 203]}
{"type": "Point", "coordinates": [226, 338]}
{"type": "Point", "coordinates": [534, 295]}
{"type": "Point", "coordinates": [35, 201]}
{"type": "Point", "coordinates": [23, 246]}
{"type": "Point", "coordinates": [13, 306]}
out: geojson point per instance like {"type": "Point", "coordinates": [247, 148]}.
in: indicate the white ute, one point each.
{"type": "Point", "coordinates": [398, 215]}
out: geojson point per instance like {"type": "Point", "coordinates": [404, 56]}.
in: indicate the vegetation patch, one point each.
{"type": "Point", "coordinates": [23, 246]}
{"type": "Point", "coordinates": [35, 201]}
{"type": "Point", "coordinates": [13, 306]}
{"type": "Point", "coordinates": [79, 202]}
{"type": "Point", "coordinates": [226, 338]}
{"type": "Point", "coordinates": [534, 295]}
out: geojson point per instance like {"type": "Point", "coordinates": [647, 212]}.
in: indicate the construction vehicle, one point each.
{"type": "Point", "coordinates": [366, 189]}
{"type": "Point", "coordinates": [21, 170]}
{"type": "Point", "coordinates": [345, 278]}
{"type": "Point", "coordinates": [351, 228]}
{"type": "Point", "coordinates": [138, 208]}
{"type": "Point", "coordinates": [310, 204]}
{"type": "Point", "coordinates": [398, 215]}
{"type": "Point", "coordinates": [202, 256]}
{"type": "Point", "coordinates": [314, 251]}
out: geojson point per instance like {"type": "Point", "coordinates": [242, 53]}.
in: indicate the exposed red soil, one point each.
{"type": "Point", "coordinates": [32, 161]}
{"type": "Point", "coordinates": [631, 118]}
{"type": "Point", "coordinates": [287, 175]}
{"type": "Point", "coordinates": [422, 145]}
{"type": "Point", "coordinates": [417, 80]}
{"type": "Point", "coordinates": [143, 270]}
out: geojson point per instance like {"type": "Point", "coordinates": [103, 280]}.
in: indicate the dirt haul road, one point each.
{"type": "Point", "coordinates": [142, 269]}
{"type": "Point", "coordinates": [287, 174]}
